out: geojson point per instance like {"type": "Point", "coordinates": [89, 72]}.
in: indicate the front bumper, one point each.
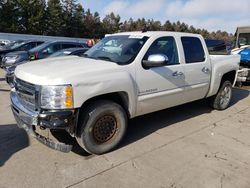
{"type": "Point", "coordinates": [31, 120]}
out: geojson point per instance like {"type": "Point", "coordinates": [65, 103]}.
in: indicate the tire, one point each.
{"type": "Point", "coordinates": [103, 125]}
{"type": "Point", "coordinates": [222, 99]}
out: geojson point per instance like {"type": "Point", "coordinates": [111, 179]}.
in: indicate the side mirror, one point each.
{"type": "Point", "coordinates": [155, 60]}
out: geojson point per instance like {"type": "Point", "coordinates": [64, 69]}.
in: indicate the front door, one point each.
{"type": "Point", "coordinates": [160, 87]}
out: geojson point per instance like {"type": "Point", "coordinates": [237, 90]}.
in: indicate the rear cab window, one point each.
{"type": "Point", "coordinates": [193, 50]}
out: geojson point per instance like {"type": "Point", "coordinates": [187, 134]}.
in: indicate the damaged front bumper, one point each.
{"type": "Point", "coordinates": [31, 120]}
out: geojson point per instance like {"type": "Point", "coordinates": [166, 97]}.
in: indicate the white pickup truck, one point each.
{"type": "Point", "coordinates": [123, 76]}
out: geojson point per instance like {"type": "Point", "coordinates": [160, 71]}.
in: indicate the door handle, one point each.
{"type": "Point", "coordinates": [177, 73]}
{"type": "Point", "coordinates": [205, 69]}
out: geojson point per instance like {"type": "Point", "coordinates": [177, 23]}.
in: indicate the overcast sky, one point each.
{"type": "Point", "coordinates": [209, 14]}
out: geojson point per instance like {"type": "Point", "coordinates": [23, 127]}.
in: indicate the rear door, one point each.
{"type": "Point", "coordinates": [197, 68]}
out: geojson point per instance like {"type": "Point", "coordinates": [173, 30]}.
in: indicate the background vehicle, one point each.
{"type": "Point", "coordinates": [19, 46]}
{"type": "Point", "coordinates": [242, 47]}
{"type": "Point", "coordinates": [9, 76]}
{"type": "Point", "coordinates": [69, 51]}
{"type": "Point", "coordinates": [3, 42]}
{"type": "Point", "coordinates": [45, 50]}
{"type": "Point", "coordinates": [15, 58]}
{"type": "Point", "coordinates": [123, 76]}
{"type": "Point", "coordinates": [51, 47]}
{"type": "Point", "coordinates": [65, 52]}
{"type": "Point", "coordinates": [245, 57]}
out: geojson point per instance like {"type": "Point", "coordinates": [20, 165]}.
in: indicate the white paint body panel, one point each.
{"type": "Point", "coordinates": [147, 90]}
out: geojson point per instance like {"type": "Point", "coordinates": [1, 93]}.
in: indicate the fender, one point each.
{"type": "Point", "coordinates": [96, 85]}
{"type": "Point", "coordinates": [221, 68]}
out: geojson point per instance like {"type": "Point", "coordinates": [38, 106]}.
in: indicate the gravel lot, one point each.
{"type": "Point", "coordinates": [186, 146]}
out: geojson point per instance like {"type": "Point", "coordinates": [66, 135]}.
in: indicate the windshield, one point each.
{"type": "Point", "coordinates": [40, 47]}
{"type": "Point", "coordinates": [121, 49]}
{"type": "Point", "coordinates": [14, 45]}
{"type": "Point", "coordinates": [244, 39]}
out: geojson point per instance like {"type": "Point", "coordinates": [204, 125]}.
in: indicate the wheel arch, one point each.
{"type": "Point", "coordinates": [217, 81]}
{"type": "Point", "coordinates": [229, 76]}
{"type": "Point", "coordinates": [121, 98]}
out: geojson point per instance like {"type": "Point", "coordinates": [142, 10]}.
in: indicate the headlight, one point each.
{"type": "Point", "coordinates": [10, 59]}
{"type": "Point", "coordinates": [57, 97]}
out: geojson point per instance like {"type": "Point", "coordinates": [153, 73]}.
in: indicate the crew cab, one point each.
{"type": "Point", "coordinates": [123, 76]}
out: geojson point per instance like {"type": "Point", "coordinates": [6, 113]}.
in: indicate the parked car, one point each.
{"type": "Point", "coordinates": [51, 47]}
{"type": "Point", "coordinates": [123, 76]}
{"type": "Point", "coordinates": [9, 75]}
{"type": "Point", "coordinates": [15, 58]}
{"type": "Point", "coordinates": [3, 42]}
{"type": "Point", "coordinates": [245, 58]}
{"type": "Point", "coordinates": [18, 46]}
{"type": "Point", "coordinates": [70, 51]}
{"type": "Point", "coordinates": [65, 52]}
{"type": "Point", "coordinates": [242, 47]}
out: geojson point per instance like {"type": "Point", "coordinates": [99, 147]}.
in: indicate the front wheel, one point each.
{"type": "Point", "coordinates": [103, 125]}
{"type": "Point", "coordinates": [223, 98]}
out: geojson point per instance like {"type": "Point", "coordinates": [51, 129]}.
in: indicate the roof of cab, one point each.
{"type": "Point", "coordinates": [156, 33]}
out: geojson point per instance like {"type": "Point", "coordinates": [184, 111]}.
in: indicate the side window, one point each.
{"type": "Point", "coordinates": [193, 49]}
{"type": "Point", "coordinates": [53, 48]}
{"type": "Point", "coordinates": [39, 43]}
{"type": "Point", "coordinates": [33, 44]}
{"type": "Point", "coordinates": [78, 45]}
{"type": "Point", "coordinates": [68, 45]}
{"type": "Point", "coordinates": [25, 47]}
{"type": "Point", "coordinates": [166, 46]}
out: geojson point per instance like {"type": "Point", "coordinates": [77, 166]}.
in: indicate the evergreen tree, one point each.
{"type": "Point", "coordinates": [111, 23]}
{"type": "Point", "coordinates": [69, 10]}
{"type": "Point", "coordinates": [9, 16]}
{"type": "Point", "coordinates": [77, 24]}
{"type": "Point", "coordinates": [32, 16]}
{"type": "Point", "coordinates": [93, 25]}
{"type": "Point", "coordinates": [168, 26]}
{"type": "Point", "coordinates": [55, 23]}
{"type": "Point", "coordinates": [68, 18]}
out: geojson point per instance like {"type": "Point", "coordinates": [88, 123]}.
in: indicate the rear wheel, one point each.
{"type": "Point", "coordinates": [103, 125]}
{"type": "Point", "coordinates": [223, 98]}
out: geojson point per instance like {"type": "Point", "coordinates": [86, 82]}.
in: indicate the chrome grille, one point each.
{"type": "Point", "coordinates": [26, 93]}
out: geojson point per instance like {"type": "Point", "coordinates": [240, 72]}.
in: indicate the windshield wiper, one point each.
{"type": "Point", "coordinates": [105, 58]}
{"type": "Point", "coordinates": [84, 55]}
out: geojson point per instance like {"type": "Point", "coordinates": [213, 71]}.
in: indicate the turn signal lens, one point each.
{"type": "Point", "coordinates": [68, 91]}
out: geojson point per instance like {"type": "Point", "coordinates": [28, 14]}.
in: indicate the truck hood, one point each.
{"type": "Point", "coordinates": [61, 70]}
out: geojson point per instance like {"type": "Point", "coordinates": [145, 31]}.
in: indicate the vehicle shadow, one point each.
{"type": "Point", "coordinates": [2, 79]}
{"type": "Point", "coordinates": [12, 140]}
{"type": "Point", "coordinates": [145, 125]}
{"type": "Point", "coordinates": [239, 94]}
{"type": "Point", "coordinates": [64, 137]}
{"type": "Point", "coordinates": [5, 90]}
